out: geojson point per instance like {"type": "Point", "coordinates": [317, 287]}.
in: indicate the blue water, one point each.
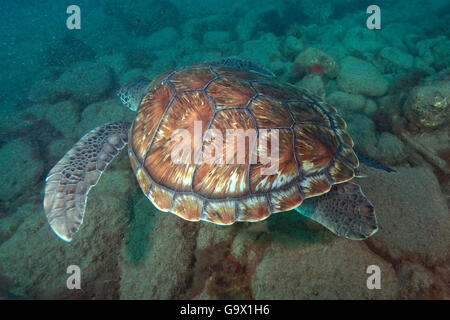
{"type": "Point", "coordinates": [28, 27]}
{"type": "Point", "coordinates": [372, 83]}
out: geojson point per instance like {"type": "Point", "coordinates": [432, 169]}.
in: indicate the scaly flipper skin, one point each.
{"type": "Point", "coordinates": [371, 162]}
{"type": "Point", "coordinates": [70, 180]}
{"type": "Point", "coordinates": [344, 210]}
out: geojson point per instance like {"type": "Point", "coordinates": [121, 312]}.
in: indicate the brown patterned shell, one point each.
{"type": "Point", "coordinates": [315, 151]}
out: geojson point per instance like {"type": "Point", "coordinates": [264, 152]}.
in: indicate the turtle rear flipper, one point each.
{"type": "Point", "coordinates": [243, 64]}
{"type": "Point", "coordinates": [371, 162]}
{"type": "Point", "coordinates": [344, 210]}
{"type": "Point", "coordinates": [70, 180]}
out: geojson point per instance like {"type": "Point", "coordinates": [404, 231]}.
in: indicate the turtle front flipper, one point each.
{"type": "Point", "coordinates": [70, 180]}
{"type": "Point", "coordinates": [344, 210]}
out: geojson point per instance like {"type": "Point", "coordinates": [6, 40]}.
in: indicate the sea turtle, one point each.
{"type": "Point", "coordinates": [315, 153]}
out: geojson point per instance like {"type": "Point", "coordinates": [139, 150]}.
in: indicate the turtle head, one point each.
{"type": "Point", "coordinates": [132, 93]}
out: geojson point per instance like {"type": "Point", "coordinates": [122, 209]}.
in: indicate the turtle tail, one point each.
{"type": "Point", "coordinates": [70, 180]}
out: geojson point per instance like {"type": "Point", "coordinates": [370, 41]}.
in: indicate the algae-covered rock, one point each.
{"type": "Point", "coordinates": [428, 106]}
{"type": "Point", "coordinates": [100, 113]}
{"type": "Point", "coordinates": [130, 75]}
{"type": "Point", "coordinates": [216, 39]}
{"type": "Point", "coordinates": [292, 47]}
{"type": "Point", "coordinates": [421, 283]}
{"type": "Point", "coordinates": [246, 26]}
{"type": "Point", "coordinates": [125, 248]}
{"type": "Point", "coordinates": [166, 59]}
{"type": "Point", "coordinates": [58, 147]}
{"type": "Point", "coordinates": [139, 57]}
{"type": "Point", "coordinates": [155, 243]}
{"type": "Point", "coordinates": [86, 82]}
{"type": "Point", "coordinates": [391, 149]}
{"type": "Point", "coordinates": [424, 55]}
{"type": "Point", "coordinates": [43, 88]}
{"type": "Point", "coordinates": [40, 270]}
{"type": "Point", "coordinates": [279, 68]}
{"type": "Point", "coordinates": [222, 271]}
{"type": "Point", "coordinates": [335, 270]}
{"type": "Point", "coordinates": [64, 117]}
{"type": "Point", "coordinates": [314, 83]}
{"type": "Point", "coordinates": [264, 50]}
{"type": "Point", "coordinates": [371, 107]}
{"type": "Point", "coordinates": [195, 28]}
{"type": "Point", "coordinates": [391, 59]}
{"type": "Point", "coordinates": [360, 77]}
{"type": "Point", "coordinates": [143, 17]}
{"type": "Point", "coordinates": [413, 233]}
{"type": "Point", "coordinates": [318, 11]}
{"type": "Point", "coordinates": [412, 214]}
{"type": "Point", "coordinates": [401, 35]}
{"type": "Point", "coordinates": [362, 131]}
{"type": "Point", "coordinates": [163, 38]}
{"type": "Point", "coordinates": [20, 123]}
{"type": "Point", "coordinates": [11, 223]}
{"type": "Point", "coordinates": [115, 61]}
{"type": "Point", "coordinates": [441, 52]}
{"type": "Point", "coordinates": [347, 103]}
{"type": "Point", "coordinates": [363, 42]}
{"type": "Point", "coordinates": [20, 168]}
{"type": "Point", "coordinates": [68, 51]}
{"type": "Point", "coordinates": [313, 60]}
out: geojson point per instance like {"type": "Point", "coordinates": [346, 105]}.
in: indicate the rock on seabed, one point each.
{"type": "Point", "coordinates": [360, 77]}
{"type": "Point", "coordinates": [428, 106]}
{"type": "Point", "coordinates": [20, 168]}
